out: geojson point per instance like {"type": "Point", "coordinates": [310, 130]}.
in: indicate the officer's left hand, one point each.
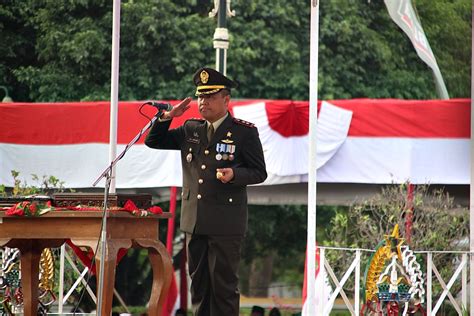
{"type": "Point", "coordinates": [225, 174]}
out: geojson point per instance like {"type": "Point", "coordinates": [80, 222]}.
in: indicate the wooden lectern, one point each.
{"type": "Point", "coordinates": [32, 234]}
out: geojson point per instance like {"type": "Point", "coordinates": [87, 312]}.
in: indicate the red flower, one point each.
{"type": "Point", "coordinates": [130, 206]}
{"type": "Point", "coordinates": [155, 210]}
{"type": "Point", "coordinates": [32, 208]}
{"type": "Point", "coordinates": [15, 210]}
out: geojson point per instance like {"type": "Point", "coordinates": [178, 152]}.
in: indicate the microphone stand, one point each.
{"type": "Point", "coordinates": [107, 173]}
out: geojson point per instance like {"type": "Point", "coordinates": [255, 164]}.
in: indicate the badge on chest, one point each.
{"type": "Point", "coordinates": [189, 156]}
{"type": "Point", "coordinates": [225, 151]}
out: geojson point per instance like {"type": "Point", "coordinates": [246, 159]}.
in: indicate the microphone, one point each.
{"type": "Point", "coordinates": [160, 106]}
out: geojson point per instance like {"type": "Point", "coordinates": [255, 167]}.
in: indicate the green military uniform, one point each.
{"type": "Point", "coordinates": [214, 214]}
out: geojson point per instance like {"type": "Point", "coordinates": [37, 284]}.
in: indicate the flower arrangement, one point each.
{"type": "Point", "coordinates": [133, 209]}
{"type": "Point", "coordinates": [34, 209]}
{"type": "Point", "coordinates": [27, 208]}
{"type": "Point", "coordinates": [48, 185]}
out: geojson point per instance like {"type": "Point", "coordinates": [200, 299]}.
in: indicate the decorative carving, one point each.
{"type": "Point", "coordinates": [142, 201]}
{"type": "Point", "coordinates": [230, 13]}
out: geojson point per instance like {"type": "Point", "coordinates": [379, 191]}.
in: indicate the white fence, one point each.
{"type": "Point", "coordinates": [433, 301]}
{"type": "Point", "coordinates": [334, 288]}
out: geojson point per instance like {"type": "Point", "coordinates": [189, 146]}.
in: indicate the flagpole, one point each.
{"type": "Point", "coordinates": [110, 179]}
{"type": "Point", "coordinates": [471, 186]}
{"type": "Point", "coordinates": [114, 89]}
{"type": "Point", "coordinates": [312, 180]}
{"type": "Point", "coordinates": [221, 33]}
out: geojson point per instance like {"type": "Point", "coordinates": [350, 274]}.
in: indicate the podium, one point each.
{"type": "Point", "coordinates": [32, 234]}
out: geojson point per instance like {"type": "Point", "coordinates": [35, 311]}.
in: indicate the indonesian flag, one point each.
{"type": "Point", "coordinates": [172, 299]}
{"type": "Point", "coordinates": [366, 141]}
{"type": "Point", "coordinates": [283, 131]}
{"type": "Point", "coordinates": [321, 285]}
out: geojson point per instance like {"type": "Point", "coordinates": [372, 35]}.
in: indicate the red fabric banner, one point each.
{"type": "Point", "coordinates": [88, 122]}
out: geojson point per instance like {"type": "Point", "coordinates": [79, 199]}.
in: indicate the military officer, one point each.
{"type": "Point", "coordinates": [220, 156]}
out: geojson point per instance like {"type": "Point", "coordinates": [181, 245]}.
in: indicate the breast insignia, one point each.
{"type": "Point", "coordinates": [189, 157]}
{"type": "Point", "coordinates": [242, 122]}
{"type": "Point", "coordinates": [228, 140]}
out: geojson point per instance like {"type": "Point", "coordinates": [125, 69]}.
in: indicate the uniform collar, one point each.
{"type": "Point", "coordinates": [217, 123]}
{"type": "Point", "coordinates": [224, 126]}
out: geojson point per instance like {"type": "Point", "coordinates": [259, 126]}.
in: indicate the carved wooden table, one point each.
{"type": "Point", "coordinates": [32, 234]}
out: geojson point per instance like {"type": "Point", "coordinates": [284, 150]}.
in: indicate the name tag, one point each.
{"type": "Point", "coordinates": [193, 140]}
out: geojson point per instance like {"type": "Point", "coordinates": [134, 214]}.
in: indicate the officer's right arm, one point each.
{"type": "Point", "coordinates": [160, 137]}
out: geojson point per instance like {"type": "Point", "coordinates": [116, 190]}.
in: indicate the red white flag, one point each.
{"type": "Point", "coordinates": [323, 289]}
{"type": "Point", "coordinates": [388, 141]}
{"type": "Point", "coordinates": [172, 299]}
{"type": "Point", "coordinates": [403, 14]}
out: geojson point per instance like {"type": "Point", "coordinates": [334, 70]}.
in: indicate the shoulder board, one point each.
{"type": "Point", "coordinates": [242, 122]}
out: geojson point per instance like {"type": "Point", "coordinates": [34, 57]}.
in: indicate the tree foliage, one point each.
{"type": "Point", "coordinates": [437, 224]}
{"type": "Point", "coordinates": [60, 50]}
{"type": "Point", "coordinates": [276, 243]}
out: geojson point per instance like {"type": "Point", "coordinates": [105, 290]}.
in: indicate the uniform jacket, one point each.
{"type": "Point", "coordinates": [210, 207]}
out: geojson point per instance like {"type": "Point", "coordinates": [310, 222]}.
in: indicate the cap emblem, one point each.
{"type": "Point", "coordinates": [204, 76]}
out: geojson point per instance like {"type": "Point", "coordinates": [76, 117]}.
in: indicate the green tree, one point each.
{"type": "Point", "coordinates": [448, 25]}
{"type": "Point", "coordinates": [275, 244]}
{"type": "Point", "coordinates": [269, 48]}
{"type": "Point", "coordinates": [73, 53]}
{"type": "Point", "coordinates": [364, 54]}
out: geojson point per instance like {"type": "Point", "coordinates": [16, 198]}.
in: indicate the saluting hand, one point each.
{"type": "Point", "coordinates": [179, 108]}
{"type": "Point", "coordinates": [225, 174]}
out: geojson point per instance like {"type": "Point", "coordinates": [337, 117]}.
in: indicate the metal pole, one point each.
{"type": "Point", "coordinates": [357, 284]}
{"type": "Point", "coordinates": [114, 88]}
{"type": "Point", "coordinates": [222, 39]}
{"type": "Point", "coordinates": [312, 309]}
{"type": "Point", "coordinates": [221, 34]}
{"type": "Point", "coordinates": [81, 277]}
{"type": "Point", "coordinates": [103, 246]}
{"type": "Point", "coordinates": [409, 213]}
{"type": "Point", "coordinates": [429, 283]}
{"type": "Point", "coordinates": [171, 222]}
{"type": "Point", "coordinates": [311, 217]}
{"type": "Point", "coordinates": [61, 279]}
{"type": "Point", "coordinates": [464, 283]}
{"type": "Point", "coordinates": [110, 180]}
{"type": "Point", "coordinates": [471, 187]}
